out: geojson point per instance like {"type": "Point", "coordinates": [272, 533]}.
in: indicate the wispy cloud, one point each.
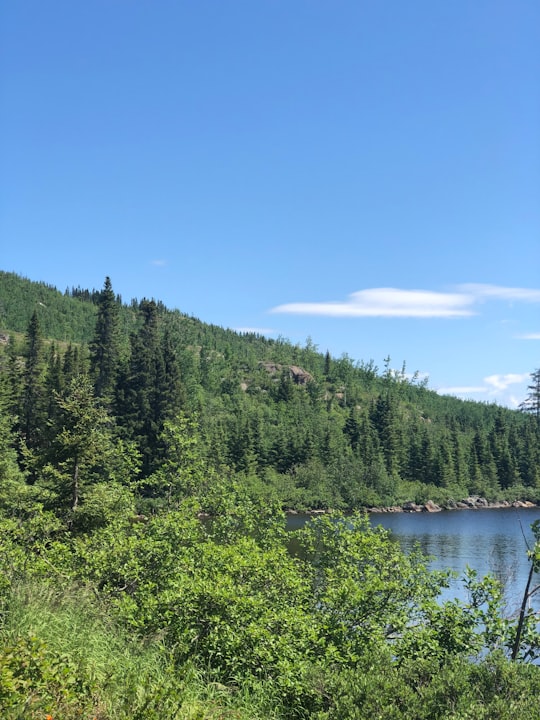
{"type": "Point", "coordinates": [494, 387]}
{"type": "Point", "coordinates": [159, 263]}
{"type": "Point", "coordinates": [498, 292]}
{"type": "Point", "coordinates": [502, 382]}
{"type": "Point", "coordinates": [387, 302]}
{"type": "Point", "coordinates": [529, 336]}
{"type": "Point", "coordinates": [398, 303]}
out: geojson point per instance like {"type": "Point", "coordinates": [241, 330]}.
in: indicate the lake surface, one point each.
{"type": "Point", "coordinates": [490, 541]}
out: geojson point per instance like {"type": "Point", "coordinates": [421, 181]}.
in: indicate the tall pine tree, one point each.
{"type": "Point", "coordinates": [31, 409]}
{"type": "Point", "coordinates": [104, 348]}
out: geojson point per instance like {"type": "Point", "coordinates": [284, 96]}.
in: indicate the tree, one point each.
{"type": "Point", "coordinates": [384, 417]}
{"type": "Point", "coordinates": [104, 348]}
{"type": "Point", "coordinates": [327, 365]}
{"type": "Point", "coordinates": [10, 473]}
{"type": "Point", "coordinates": [503, 453]}
{"type": "Point", "coordinates": [352, 428]}
{"type": "Point", "coordinates": [531, 404]}
{"type": "Point", "coordinates": [84, 456]}
{"type": "Point", "coordinates": [184, 471]}
{"type": "Point", "coordinates": [149, 390]}
{"type": "Point", "coordinates": [31, 415]}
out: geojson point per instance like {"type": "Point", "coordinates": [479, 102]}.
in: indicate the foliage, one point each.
{"type": "Point", "coordinates": [145, 570]}
{"type": "Point", "coordinates": [532, 402]}
{"type": "Point", "coordinates": [339, 434]}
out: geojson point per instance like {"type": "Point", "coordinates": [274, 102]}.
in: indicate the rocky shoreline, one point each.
{"type": "Point", "coordinates": [471, 503]}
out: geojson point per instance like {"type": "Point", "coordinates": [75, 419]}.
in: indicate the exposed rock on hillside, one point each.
{"type": "Point", "coordinates": [297, 374]}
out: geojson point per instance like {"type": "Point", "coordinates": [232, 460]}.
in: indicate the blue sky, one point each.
{"type": "Point", "coordinates": [365, 174]}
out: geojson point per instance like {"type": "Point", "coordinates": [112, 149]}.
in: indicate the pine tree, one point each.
{"type": "Point", "coordinates": [532, 402]}
{"type": "Point", "coordinates": [74, 363]}
{"type": "Point", "coordinates": [10, 473]}
{"type": "Point", "coordinates": [136, 391]}
{"type": "Point", "coordinates": [505, 462]}
{"type": "Point", "coordinates": [54, 386]}
{"type": "Point", "coordinates": [149, 391]}
{"type": "Point", "coordinates": [327, 365]}
{"type": "Point", "coordinates": [384, 418]}
{"type": "Point", "coordinates": [104, 348]}
{"type": "Point", "coordinates": [31, 412]}
{"type": "Point", "coordinates": [85, 462]}
{"type": "Point", "coordinates": [352, 428]}
{"type": "Point", "coordinates": [420, 458]}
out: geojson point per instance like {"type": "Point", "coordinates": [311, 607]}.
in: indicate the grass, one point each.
{"type": "Point", "coordinates": [62, 656]}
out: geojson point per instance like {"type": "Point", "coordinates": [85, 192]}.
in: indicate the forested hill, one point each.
{"type": "Point", "coordinates": [288, 423]}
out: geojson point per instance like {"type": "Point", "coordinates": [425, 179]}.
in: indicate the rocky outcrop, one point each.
{"type": "Point", "coordinates": [298, 375]}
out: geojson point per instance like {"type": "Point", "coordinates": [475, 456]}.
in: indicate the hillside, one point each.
{"type": "Point", "coordinates": [288, 423]}
{"type": "Point", "coordinates": [145, 571]}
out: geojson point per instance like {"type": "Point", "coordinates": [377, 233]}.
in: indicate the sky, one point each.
{"type": "Point", "coordinates": [360, 175]}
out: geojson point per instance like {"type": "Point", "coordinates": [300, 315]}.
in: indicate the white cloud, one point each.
{"type": "Point", "coordinates": [481, 291]}
{"type": "Point", "coordinates": [159, 263]}
{"type": "Point", "coordinates": [529, 336]}
{"type": "Point", "coordinates": [502, 382]}
{"type": "Point", "coordinates": [387, 302]}
{"type": "Point", "coordinates": [494, 388]}
{"type": "Point", "coordinates": [394, 302]}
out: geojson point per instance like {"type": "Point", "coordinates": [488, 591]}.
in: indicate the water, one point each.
{"type": "Point", "coordinates": [489, 541]}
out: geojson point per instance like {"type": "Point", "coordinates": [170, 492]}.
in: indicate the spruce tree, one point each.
{"type": "Point", "coordinates": [352, 428]}
{"type": "Point", "coordinates": [149, 390]}
{"type": "Point", "coordinates": [31, 411]}
{"type": "Point", "coordinates": [531, 404]}
{"type": "Point", "coordinates": [104, 348]}
{"type": "Point", "coordinates": [385, 420]}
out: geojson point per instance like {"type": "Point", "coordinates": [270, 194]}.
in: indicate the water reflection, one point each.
{"type": "Point", "coordinates": [489, 541]}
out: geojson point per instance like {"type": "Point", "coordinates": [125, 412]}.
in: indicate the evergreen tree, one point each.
{"type": "Point", "coordinates": [137, 389]}
{"type": "Point", "coordinates": [104, 348]}
{"type": "Point", "coordinates": [31, 414]}
{"type": "Point", "coordinates": [10, 473]}
{"type": "Point", "coordinates": [459, 455]}
{"type": "Point", "coordinates": [532, 402]}
{"type": "Point", "coordinates": [74, 363]}
{"type": "Point", "coordinates": [54, 387]}
{"type": "Point", "coordinates": [385, 421]}
{"type": "Point", "coordinates": [149, 391]}
{"type": "Point", "coordinates": [85, 456]}
{"type": "Point", "coordinates": [445, 475]}
{"type": "Point", "coordinates": [529, 456]}
{"type": "Point", "coordinates": [327, 366]}
{"type": "Point", "coordinates": [482, 467]}
{"type": "Point", "coordinates": [78, 447]}
{"type": "Point", "coordinates": [420, 459]}
{"type": "Point", "coordinates": [505, 462]}
{"type": "Point", "coordinates": [352, 428]}
{"type": "Point", "coordinates": [11, 372]}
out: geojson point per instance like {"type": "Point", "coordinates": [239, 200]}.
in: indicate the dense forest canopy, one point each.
{"type": "Point", "coordinates": [292, 424]}
{"type": "Point", "coordinates": [145, 462]}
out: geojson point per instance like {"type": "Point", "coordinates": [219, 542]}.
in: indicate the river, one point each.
{"type": "Point", "coordinates": [490, 541]}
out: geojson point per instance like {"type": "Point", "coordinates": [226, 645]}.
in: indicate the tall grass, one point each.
{"type": "Point", "coordinates": [62, 655]}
